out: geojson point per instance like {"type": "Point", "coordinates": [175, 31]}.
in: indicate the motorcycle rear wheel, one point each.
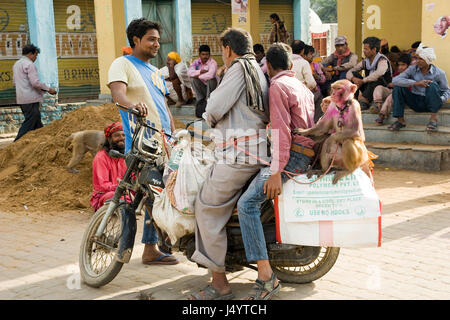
{"type": "Point", "coordinates": [98, 265]}
{"type": "Point", "coordinates": [306, 273]}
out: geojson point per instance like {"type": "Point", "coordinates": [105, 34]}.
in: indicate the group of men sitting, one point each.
{"type": "Point", "coordinates": [388, 79]}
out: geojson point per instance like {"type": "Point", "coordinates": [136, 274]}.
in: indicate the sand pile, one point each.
{"type": "Point", "coordinates": [32, 170]}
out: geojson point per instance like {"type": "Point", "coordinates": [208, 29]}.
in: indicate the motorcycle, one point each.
{"type": "Point", "coordinates": [109, 238]}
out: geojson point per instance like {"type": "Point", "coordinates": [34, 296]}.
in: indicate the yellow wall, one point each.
{"type": "Point", "coordinates": [284, 11]}
{"type": "Point", "coordinates": [111, 36]}
{"type": "Point", "coordinates": [400, 21]}
{"type": "Point", "coordinates": [349, 23]}
{"type": "Point", "coordinates": [76, 46]}
{"type": "Point", "coordinates": [252, 20]}
{"type": "Point", "coordinates": [208, 22]}
{"type": "Point", "coordinates": [430, 15]}
{"type": "Point", "coordinates": [13, 36]}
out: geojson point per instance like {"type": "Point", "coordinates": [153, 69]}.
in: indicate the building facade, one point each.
{"type": "Point", "coordinates": [401, 22]}
{"type": "Point", "coordinates": [79, 39]}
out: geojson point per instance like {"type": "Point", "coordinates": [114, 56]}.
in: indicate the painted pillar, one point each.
{"type": "Point", "coordinates": [247, 18]}
{"type": "Point", "coordinates": [133, 10]}
{"type": "Point", "coordinates": [301, 20]}
{"type": "Point", "coordinates": [432, 13]}
{"type": "Point", "coordinates": [349, 14]}
{"type": "Point", "coordinates": [41, 26]}
{"type": "Point", "coordinates": [111, 37]}
{"type": "Point", "coordinates": [184, 28]}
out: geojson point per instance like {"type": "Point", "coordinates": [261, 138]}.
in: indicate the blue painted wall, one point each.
{"type": "Point", "coordinates": [184, 28]}
{"type": "Point", "coordinates": [133, 10]}
{"type": "Point", "coordinates": [41, 25]}
{"type": "Point", "coordinates": [301, 20]}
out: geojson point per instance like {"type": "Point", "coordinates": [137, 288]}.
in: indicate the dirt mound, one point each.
{"type": "Point", "coordinates": [32, 170]}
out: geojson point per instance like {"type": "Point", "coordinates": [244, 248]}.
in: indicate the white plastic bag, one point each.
{"type": "Point", "coordinates": [173, 209]}
{"type": "Point", "coordinates": [169, 219]}
{"type": "Point", "coordinates": [347, 214]}
{"type": "Point", "coordinates": [193, 168]}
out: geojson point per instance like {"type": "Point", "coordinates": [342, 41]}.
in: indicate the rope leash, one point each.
{"type": "Point", "coordinates": [289, 174]}
{"type": "Point", "coordinates": [165, 140]}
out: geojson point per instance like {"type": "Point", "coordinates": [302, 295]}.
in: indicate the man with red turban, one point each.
{"type": "Point", "coordinates": [106, 170]}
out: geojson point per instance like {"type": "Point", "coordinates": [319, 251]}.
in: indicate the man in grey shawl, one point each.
{"type": "Point", "coordinates": [238, 113]}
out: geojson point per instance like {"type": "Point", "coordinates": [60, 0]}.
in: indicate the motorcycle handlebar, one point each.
{"type": "Point", "coordinates": [116, 154]}
{"type": "Point", "coordinates": [138, 114]}
{"type": "Point", "coordinates": [130, 110]}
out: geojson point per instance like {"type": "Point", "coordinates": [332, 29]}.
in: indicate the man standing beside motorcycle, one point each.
{"type": "Point", "coordinates": [135, 83]}
{"type": "Point", "coordinates": [237, 111]}
{"type": "Point", "coordinates": [291, 106]}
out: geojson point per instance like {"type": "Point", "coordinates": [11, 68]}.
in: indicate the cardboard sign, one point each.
{"type": "Point", "coordinates": [346, 215]}
{"type": "Point", "coordinates": [353, 197]}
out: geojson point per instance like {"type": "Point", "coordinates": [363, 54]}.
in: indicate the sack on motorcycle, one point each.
{"type": "Point", "coordinates": [169, 219]}
{"type": "Point", "coordinates": [173, 210]}
{"type": "Point", "coordinates": [346, 215]}
{"type": "Point", "coordinates": [193, 168]}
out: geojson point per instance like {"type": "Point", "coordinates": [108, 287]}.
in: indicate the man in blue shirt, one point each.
{"type": "Point", "coordinates": [135, 83]}
{"type": "Point", "coordinates": [429, 89]}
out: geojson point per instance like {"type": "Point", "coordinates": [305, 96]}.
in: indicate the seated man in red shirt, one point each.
{"type": "Point", "coordinates": [105, 171]}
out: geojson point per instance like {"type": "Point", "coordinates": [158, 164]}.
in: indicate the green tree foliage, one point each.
{"type": "Point", "coordinates": [326, 10]}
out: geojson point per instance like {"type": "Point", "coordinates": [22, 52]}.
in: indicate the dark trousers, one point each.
{"type": "Point", "coordinates": [368, 88]}
{"type": "Point", "coordinates": [202, 92]}
{"type": "Point", "coordinates": [317, 108]}
{"type": "Point", "coordinates": [32, 119]}
{"type": "Point", "coordinates": [326, 88]}
{"type": "Point", "coordinates": [432, 101]}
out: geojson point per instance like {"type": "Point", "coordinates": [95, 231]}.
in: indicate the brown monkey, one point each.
{"type": "Point", "coordinates": [343, 122]}
{"type": "Point", "coordinates": [325, 103]}
{"type": "Point", "coordinates": [82, 142]}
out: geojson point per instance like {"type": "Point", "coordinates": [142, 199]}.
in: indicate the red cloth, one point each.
{"type": "Point", "coordinates": [341, 57]}
{"type": "Point", "coordinates": [113, 127]}
{"type": "Point", "coordinates": [291, 106]}
{"type": "Point", "coordinates": [105, 171]}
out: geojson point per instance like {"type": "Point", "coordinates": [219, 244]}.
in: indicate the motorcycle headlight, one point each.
{"type": "Point", "coordinates": [150, 146]}
{"type": "Point", "coordinates": [151, 176]}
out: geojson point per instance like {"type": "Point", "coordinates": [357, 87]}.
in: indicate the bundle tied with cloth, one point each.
{"type": "Point", "coordinates": [184, 175]}
{"type": "Point", "coordinates": [253, 87]}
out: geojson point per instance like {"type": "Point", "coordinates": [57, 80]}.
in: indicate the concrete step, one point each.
{"type": "Point", "coordinates": [410, 134]}
{"type": "Point", "coordinates": [411, 117]}
{"type": "Point", "coordinates": [418, 157]}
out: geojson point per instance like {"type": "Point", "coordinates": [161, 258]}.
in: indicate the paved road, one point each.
{"type": "Point", "coordinates": [39, 255]}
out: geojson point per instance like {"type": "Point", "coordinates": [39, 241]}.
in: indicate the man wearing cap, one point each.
{"type": "Point", "coordinates": [429, 89]}
{"type": "Point", "coordinates": [337, 64]}
{"type": "Point", "coordinates": [177, 80]}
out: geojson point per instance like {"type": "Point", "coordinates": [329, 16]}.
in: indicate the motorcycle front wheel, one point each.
{"type": "Point", "coordinates": [98, 265]}
{"type": "Point", "coordinates": [312, 263]}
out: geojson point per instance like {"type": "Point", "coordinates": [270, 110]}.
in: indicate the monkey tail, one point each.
{"type": "Point", "coordinates": [352, 152]}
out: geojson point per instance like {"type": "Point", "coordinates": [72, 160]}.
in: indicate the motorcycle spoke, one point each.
{"type": "Point", "coordinates": [100, 252]}
{"type": "Point", "coordinates": [308, 268]}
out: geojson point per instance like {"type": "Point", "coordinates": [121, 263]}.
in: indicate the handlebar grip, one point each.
{"type": "Point", "coordinates": [116, 154]}
{"type": "Point", "coordinates": [130, 110]}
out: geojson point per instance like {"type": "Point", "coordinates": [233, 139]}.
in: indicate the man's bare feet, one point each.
{"type": "Point", "coordinates": [152, 255]}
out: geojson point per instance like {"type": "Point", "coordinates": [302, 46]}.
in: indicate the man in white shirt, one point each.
{"type": "Point", "coordinates": [177, 80]}
{"type": "Point", "coordinates": [301, 67]}
{"type": "Point", "coordinates": [29, 90]}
